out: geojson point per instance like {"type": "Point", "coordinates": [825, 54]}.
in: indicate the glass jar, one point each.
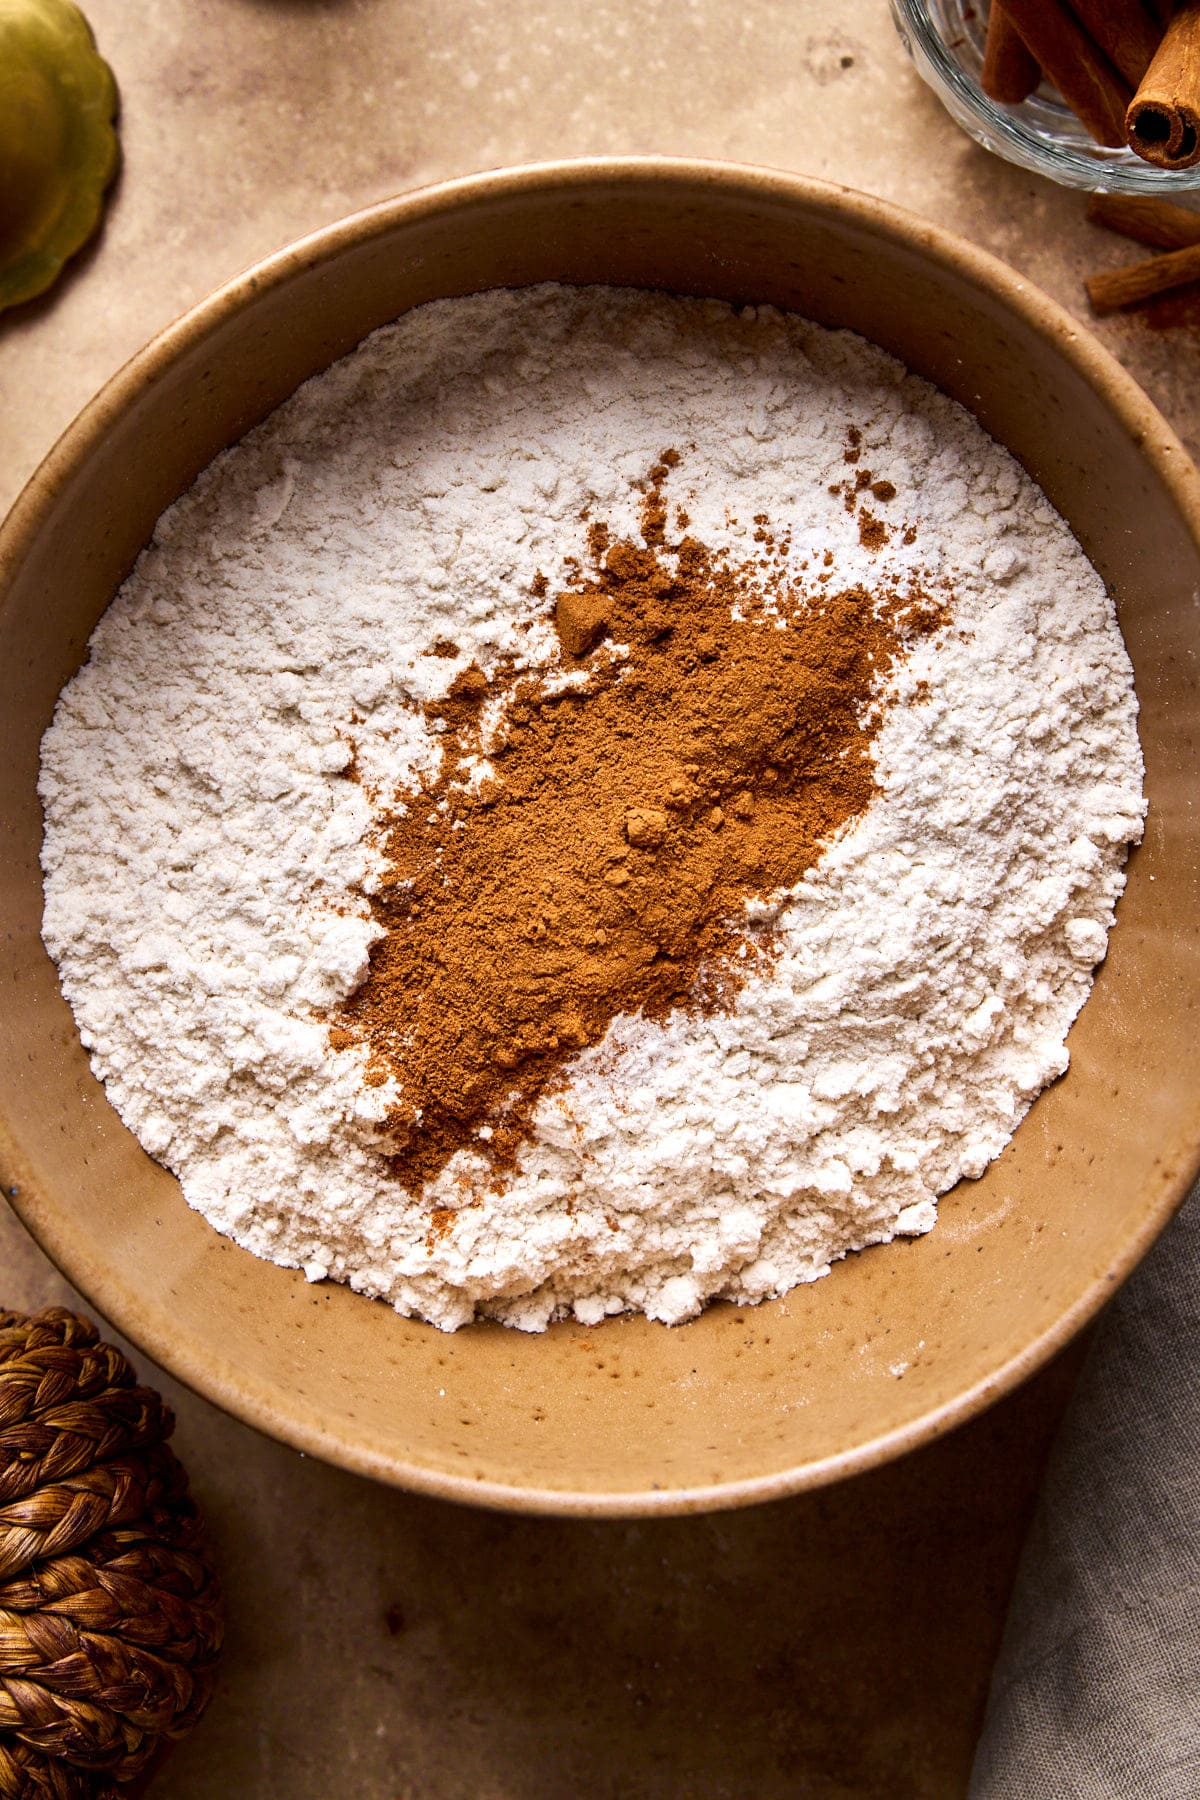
{"type": "Point", "coordinates": [945, 39]}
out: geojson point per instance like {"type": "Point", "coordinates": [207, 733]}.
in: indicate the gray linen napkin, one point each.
{"type": "Point", "coordinates": [1096, 1691]}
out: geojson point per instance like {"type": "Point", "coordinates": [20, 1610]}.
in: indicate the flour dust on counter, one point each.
{"type": "Point", "coordinates": [602, 801]}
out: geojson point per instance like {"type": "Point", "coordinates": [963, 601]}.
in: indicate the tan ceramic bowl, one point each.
{"type": "Point", "coordinates": [743, 1404]}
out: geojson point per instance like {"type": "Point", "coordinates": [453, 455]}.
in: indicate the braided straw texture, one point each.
{"type": "Point", "coordinates": [110, 1614]}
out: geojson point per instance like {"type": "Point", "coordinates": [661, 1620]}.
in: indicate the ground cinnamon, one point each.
{"type": "Point", "coordinates": [587, 847]}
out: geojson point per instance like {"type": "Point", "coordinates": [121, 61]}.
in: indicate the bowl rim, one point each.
{"type": "Point", "coordinates": [252, 1401]}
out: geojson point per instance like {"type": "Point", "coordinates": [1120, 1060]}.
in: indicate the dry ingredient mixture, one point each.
{"type": "Point", "coordinates": [606, 801]}
{"type": "Point", "coordinates": [600, 864]}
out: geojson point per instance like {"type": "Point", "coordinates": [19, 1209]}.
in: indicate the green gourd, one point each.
{"type": "Point", "coordinates": [58, 145]}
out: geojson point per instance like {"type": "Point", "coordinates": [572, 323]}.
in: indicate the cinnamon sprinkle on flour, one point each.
{"type": "Point", "coordinates": [586, 852]}
{"type": "Point", "coordinates": [600, 802]}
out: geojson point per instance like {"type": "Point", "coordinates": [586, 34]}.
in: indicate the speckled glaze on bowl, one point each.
{"type": "Point", "coordinates": [897, 1344]}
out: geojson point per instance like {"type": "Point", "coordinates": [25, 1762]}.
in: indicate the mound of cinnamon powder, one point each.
{"type": "Point", "coordinates": [588, 847]}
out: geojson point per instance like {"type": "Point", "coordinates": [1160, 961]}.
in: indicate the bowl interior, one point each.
{"type": "Point", "coordinates": [742, 1403]}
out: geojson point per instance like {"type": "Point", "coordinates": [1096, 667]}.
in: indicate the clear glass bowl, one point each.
{"type": "Point", "coordinates": [945, 40]}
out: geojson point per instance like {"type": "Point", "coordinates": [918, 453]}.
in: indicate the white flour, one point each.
{"type": "Point", "coordinates": [204, 855]}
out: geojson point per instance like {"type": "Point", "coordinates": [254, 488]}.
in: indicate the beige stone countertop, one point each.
{"type": "Point", "coordinates": [390, 1647]}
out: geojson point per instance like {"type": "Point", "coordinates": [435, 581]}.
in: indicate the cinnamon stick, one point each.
{"type": "Point", "coordinates": [1096, 93]}
{"type": "Point", "coordinates": [1124, 31]}
{"type": "Point", "coordinates": [1153, 222]}
{"type": "Point", "coordinates": [1010, 69]}
{"type": "Point", "coordinates": [1119, 288]}
{"type": "Point", "coordinates": [1163, 120]}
